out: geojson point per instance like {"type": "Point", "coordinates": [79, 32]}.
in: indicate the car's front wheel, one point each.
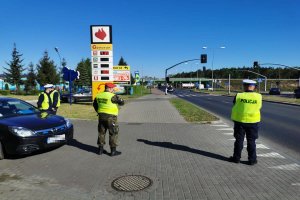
{"type": "Point", "coordinates": [1, 151]}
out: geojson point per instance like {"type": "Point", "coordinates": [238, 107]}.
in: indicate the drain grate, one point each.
{"type": "Point", "coordinates": [131, 183]}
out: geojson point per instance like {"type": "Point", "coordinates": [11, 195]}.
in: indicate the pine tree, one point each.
{"type": "Point", "coordinates": [30, 83]}
{"type": "Point", "coordinates": [84, 68]}
{"type": "Point", "coordinates": [14, 72]}
{"type": "Point", "coordinates": [46, 71]}
{"type": "Point", "coordinates": [122, 62]}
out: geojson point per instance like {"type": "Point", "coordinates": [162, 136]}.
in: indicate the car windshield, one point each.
{"type": "Point", "coordinates": [15, 107]}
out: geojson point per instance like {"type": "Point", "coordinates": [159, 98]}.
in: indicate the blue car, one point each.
{"type": "Point", "coordinates": [24, 129]}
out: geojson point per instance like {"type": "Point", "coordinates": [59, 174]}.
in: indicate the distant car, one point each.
{"type": "Point", "coordinates": [274, 91]}
{"type": "Point", "coordinates": [297, 93]}
{"type": "Point", "coordinates": [24, 129]}
{"type": "Point", "coordinates": [81, 96]}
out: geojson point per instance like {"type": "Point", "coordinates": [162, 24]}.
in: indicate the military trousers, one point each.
{"type": "Point", "coordinates": [110, 123]}
{"type": "Point", "coordinates": [251, 132]}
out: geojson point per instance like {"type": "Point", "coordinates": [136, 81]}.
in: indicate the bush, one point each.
{"type": "Point", "coordinates": [34, 92]}
{"type": "Point", "coordinates": [4, 92]}
{"type": "Point", "coordinates": [20, 92]}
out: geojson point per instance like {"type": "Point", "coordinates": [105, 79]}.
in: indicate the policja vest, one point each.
{"type": "Point", "coordinates": [105, 105]}
{"type": "Point", "coordinates": [52, 96]}
{"type": "Point", "coordinates": [247, 107]}
{"type": "Point", "coordinates": [46, 103]}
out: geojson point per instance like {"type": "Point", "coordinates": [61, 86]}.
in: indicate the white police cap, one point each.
{"type": "Point", "coordinates": [48, 86]}
{"type": "Point", "coordinates": [249, 82]}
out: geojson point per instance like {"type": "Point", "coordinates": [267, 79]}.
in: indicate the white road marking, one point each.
{"type": "Point", "coordinates": [270, 155]}
{"type": "Point", "coordinates": [296, 184]}
{"type": "Point", "coordinates": [224, 125]}
{"type": "Point", "coordinates": [227, 133]}
{"type": "Point", "coordinates": [259, 146]}
{"type": "Point", "coordinates": [225, 129]}
{"type": "Point", "coordinates": [293, 166]}
{"type": "Point", "coordinates": [225, 101]}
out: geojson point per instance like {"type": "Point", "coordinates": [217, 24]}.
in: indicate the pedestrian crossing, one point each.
{"type": "Point", "coordinates": [263, 150]}
{"type": "Point", "coordinates": [225, 129]}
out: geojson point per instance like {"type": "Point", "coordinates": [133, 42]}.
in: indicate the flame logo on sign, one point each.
{"type": "Point", "coordinates": [100, 34]}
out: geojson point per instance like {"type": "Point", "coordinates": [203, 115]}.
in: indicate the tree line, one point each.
{"type": "Point", "coordinates": [243, 72]}
{"type": "Point", "coordinates": [45, 71]}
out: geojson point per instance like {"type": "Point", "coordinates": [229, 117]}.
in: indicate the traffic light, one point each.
{"type": "Point", "coordinates": [255, 64]}
{"type": "Point", "coordinates": [203, 58]}
{"type": "Point", "coordinates": [167, 79]}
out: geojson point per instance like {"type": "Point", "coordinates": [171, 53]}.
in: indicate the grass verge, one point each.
{"type": "Point", "coordinates": [192, 113]}
{"type": "Point", "coordinates": [78, 111]}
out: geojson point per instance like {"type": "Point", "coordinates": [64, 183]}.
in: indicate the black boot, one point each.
{"type": "Point", "coordinates": [233, 159]}
{"type": "Point", "coordinates": [100, 150]}
{"type": "Point", "coordinates": [114, 152]}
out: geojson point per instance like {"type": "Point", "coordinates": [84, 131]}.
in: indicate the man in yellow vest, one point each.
{"type": "Point", "coordinates": [106, 105]}
{"type": "Point", "coordinates": [44, 101]}
{"type": "Point", "coordinates": [55, 98]}
{"type": "Point", "coordinates": [246, 116]}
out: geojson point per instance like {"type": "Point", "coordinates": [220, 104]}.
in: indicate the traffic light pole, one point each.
{"type": "Point", "coordinates": [283, 66]}
{"type": "Point", "coordinates": [166, 72]}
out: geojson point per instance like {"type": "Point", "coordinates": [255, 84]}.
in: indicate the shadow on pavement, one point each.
{"type": "Point", "coordinates": [170, 145]}
{"type": "Point", "coordinates": [83, 146]}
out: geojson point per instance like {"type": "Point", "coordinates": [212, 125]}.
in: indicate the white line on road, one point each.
{"type": "Point", "coordinates": [293, 166]}
{"type": "Point", "coordinates": [227, 133]}
{"type": "Point", "coordinates": [270, 155]}
{"type": "Point", "coordinates": [296, 184]}
{"type": "Point", "coordinates": [260, 146]}
{"type": "Point", "coordinates": [225, 129]}
{"type": "Point", "coordinates": [223, 125]}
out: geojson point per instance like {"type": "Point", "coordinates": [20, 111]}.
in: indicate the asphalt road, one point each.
{"type": "Point", "coordinates": [280, 123]}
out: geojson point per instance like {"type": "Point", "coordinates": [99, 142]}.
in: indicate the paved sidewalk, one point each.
{"type": "Point", "coordinates": [184, 161]}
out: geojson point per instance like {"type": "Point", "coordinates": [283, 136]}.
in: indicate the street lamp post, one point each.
{"type": "Point", "coordinates": [56, 49]}
{"type": "Point", "coordinates": [212, 64]}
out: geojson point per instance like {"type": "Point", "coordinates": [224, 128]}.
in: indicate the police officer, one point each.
{"type": "Point", "coordinates": [246, 116]}
{"type": "Point", "coordinates": [55, 98]}
{"type": "Point", "coordinates": [44, 101]}
{"type": "Point", "coordinates": [106, 105]}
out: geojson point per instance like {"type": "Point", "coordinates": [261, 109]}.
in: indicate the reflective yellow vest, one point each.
{"type": "Point", "coordinates": [52, 95]}
{"type": "Point", "coordinates": [247, 107]}
{"type": "Point", "coordinates": [46, 103]}
{"type": "Point", "coordinates": [105, 105]}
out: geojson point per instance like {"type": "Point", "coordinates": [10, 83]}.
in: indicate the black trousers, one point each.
{"type": "Point", "coordinates": [251, 132]}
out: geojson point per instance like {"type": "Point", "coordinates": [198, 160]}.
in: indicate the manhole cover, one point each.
{"type": "Point", "coordinates": [131, 183]}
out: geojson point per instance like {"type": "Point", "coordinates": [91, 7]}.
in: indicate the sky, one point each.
{"type": "Point", "coordinates": [152, 35]}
